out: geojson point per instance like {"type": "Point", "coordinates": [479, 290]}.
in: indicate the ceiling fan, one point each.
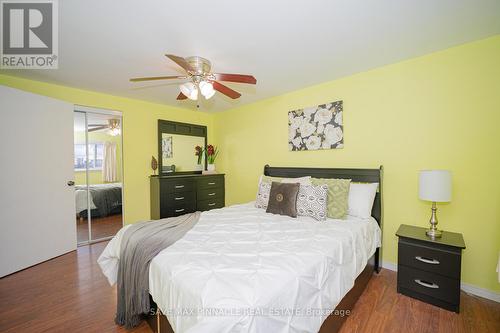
{"type": "Point", "coordinates": [201, 79]}
{"type": "Point", "coordinates": [113, 126]}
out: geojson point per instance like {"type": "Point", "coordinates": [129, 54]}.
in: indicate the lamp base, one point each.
{"type": "Point", "coordinates": [434, 233]}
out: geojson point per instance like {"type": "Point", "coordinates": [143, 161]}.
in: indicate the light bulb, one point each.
{"type": "Point", "coordinates": [189, 90]}
{"type": "Point", "coordinates": [207, 89]}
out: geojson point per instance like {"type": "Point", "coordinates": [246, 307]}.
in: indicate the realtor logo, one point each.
{"type": "Point", "coordinates": [29, 34]}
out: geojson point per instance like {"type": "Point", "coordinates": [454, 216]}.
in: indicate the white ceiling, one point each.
{"type": "Point", "coordinates": [286, 45]}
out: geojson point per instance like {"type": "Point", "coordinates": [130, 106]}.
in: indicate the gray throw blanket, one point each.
{"type": "Point", "coordinates": [140, 244]}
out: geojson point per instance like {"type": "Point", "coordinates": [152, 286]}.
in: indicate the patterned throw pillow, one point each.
{"type": "Point", "coordinates": [312, 200]}
{"type": "Point", "coordinates": [263, 195]}
{"type": "Point", "coordinates": [283, 199]}
{"type": "Point", "coordinates": [338, 196]}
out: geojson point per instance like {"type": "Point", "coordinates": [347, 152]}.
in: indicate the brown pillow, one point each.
{"type": "Point", "coordinates": [283, 199]}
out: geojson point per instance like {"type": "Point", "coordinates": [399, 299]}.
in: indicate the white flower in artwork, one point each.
{"type": "Point", "coordinates": [297, 142]}
{"type": "Point", "coordinates": [291, 133]}
{"type": "Point", "coordinates": [306, 129]}
{"type": "Point", "coordinates": [296, 122]}
{"type": "Point", "coordinates": [313, 142]}
{"type": "Point", "coordinates": [338, 118]}
{"type": "Point", "coordinates": [308, 112]}
{"type": "Point", "coordinates": [290, 147]}
{"type": "Point", "coordinates": [340, 145]}
{"type": "Point", "coordinates": [320, 128]}
{"type": "Point", "coordinates": [333, 134]}
{"type": "Point", "coordinates": [291, 115]}
{"type": "Point", "coordinates": [326, 145]}
{"type": "Point", "coordinates": [323, 116]}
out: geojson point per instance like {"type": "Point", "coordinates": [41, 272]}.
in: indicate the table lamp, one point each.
{"type": "Point", "coordinates": [434, 186]}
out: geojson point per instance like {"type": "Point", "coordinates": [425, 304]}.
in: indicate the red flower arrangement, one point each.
{"type": "Point", "coordinates": [198, 151]}
{"type": "Point", "coordinates": [211, 152]}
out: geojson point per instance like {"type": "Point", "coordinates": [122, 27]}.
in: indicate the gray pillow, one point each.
{"type": "Point", "coordinates": [283, 199]}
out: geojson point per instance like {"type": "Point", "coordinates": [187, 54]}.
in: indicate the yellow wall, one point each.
{"type": "Point", "coordinates": [95, 176]}
{"type": "Point", "coordinates": [437, 111]}
{"type": "Point", "coordinates": [140, 121]}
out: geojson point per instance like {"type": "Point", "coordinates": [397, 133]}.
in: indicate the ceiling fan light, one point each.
{"type": "Point", "coordinates": [207, 89]}
{"type": "Point", "coordinates": [189, 90]}
{"type": "Point", "coordinates": [115, 131]}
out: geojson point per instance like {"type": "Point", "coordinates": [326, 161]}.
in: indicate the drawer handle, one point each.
{"type": "Point", "coordinates": [212, 204]}
{"type": "Point", "coordinates": [179, 198]}
{"type": "Point", "coordinates": [427, 284]}
{"type": "Point", "coordinates": [427, 261]}
{"type": "Point", "coordinates": [179, 186]}
{"type": "Point", "coordinates": [211, 183]}
{"type": "Point", "coordinates": [179, 210]}
{"type": "Point", "coordinates": [211, 194]}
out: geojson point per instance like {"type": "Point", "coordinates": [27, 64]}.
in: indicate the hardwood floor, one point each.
{"type": "Point", "coordinates": [70, 294]}
{"type": "Point", "coordinates": [101, 227]}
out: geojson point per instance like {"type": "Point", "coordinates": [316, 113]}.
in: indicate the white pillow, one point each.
{"type": "Point", "coordinates": [361, 198]}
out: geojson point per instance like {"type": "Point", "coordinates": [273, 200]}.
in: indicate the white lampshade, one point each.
{"type": "Point", "coordinates": [206, 89]}
{"type": "Point", "coordinates": [189, 90]}
{"type": "Point", "coordinates": [435, 185]}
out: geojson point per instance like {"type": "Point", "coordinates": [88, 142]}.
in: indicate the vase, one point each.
{"type": "Point", "coordinates": [199, 167]}
{"type": "Point", "coordinates": [211, 167]}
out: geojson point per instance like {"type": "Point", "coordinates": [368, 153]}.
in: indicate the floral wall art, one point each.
{"type": "Point", "coordinates": [314, 128]}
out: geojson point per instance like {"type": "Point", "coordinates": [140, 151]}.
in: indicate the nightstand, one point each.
{"type": "Point", "coordinates": [429, 269]}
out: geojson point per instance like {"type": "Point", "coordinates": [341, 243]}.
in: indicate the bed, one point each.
{"type": "Point", "coordinates": [241, 269]}
{"type": "Point", "coordinates": [105, 199]}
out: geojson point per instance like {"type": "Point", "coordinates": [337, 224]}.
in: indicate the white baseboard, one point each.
{"type": "Point", "coordinates": [468, 288]}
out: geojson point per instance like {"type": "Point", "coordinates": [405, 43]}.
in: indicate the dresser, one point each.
{"type": "Point", "coordinates": [429, 270]}
{"type": "Point", "coordinates": [181, 194]}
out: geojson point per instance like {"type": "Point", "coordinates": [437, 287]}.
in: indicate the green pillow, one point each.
{"type": "Point", "coordinates": [269, 179]}
{"type": "Point", "coordinates": [338, 195]}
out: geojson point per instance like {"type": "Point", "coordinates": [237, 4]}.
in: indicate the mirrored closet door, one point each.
{"type": "Point", "coordinates": [98, 174]}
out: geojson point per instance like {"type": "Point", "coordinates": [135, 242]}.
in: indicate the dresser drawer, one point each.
{"type": "Point", "coordinates": [177, 185]}
{"type": "Point", "coordinates": [180, 209]}
{"type": "Point", "coordinates": [180, 198]}
{"type": "Point", "coordinates": [428, 259]}
{"type": "Point", "coordinates": [210, 204]}
{"type": "Point", "coordinates": [210, 193]}
{"type": "Point", "coordinates": [434, 285]}
{"type": "Point", "coordinates": [211, 182]}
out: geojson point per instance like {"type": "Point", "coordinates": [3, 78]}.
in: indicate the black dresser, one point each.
{"type": "Point", "coordinates": [181, 194]}
{"type": "Point", "coordinates": [429, 270]}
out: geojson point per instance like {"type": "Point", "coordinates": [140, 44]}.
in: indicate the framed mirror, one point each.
{"type": "Point", "coordinates": [176, 147]}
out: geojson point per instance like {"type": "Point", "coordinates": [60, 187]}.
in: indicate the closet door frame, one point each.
{"type": "Point", "coordinates": [86, 110]}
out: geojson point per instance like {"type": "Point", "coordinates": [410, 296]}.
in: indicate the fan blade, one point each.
{"type": "Point", "coordinates": [138, 79]}
{"type": "Point", "coordinates": [225, 90]}
{"type": "Point", "coordinates": [181, 96]}
{"type": "Point", "coordinates": [98, 128]}
{"type": "Point", "coordinates": [241, 78]}
{"type": "Point", "coordinates": [181, 62]}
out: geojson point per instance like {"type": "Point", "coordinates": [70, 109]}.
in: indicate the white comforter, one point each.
{"type": "Point", "coordinates": [241, 269]}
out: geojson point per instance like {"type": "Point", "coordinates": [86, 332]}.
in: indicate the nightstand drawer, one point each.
{"type": "Point", "coordinates": [430, 284]}
{"type": "Point", "coordinates": [429, 259]}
